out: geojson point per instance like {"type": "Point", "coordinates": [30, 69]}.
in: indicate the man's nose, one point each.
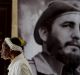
{"type": "Point", "coordinates": [76, 34]}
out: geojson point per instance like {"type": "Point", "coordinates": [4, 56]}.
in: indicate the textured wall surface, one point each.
{"type": "Point", "coordinates": [29, 12]}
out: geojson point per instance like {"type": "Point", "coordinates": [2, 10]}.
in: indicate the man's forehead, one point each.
{"type": "Point", "coordinates": [69, 16]}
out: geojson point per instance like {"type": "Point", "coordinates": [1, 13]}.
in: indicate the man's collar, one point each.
{"type": "Point", "coordinates": [44, 67]}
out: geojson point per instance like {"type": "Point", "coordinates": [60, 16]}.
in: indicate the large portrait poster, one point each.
{"type": "Point", "coordinates": [55, 26]}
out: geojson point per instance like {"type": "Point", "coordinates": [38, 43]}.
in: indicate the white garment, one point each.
{"type": "Point", "coordinates": [19, 66]}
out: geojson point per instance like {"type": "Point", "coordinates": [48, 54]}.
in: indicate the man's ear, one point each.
{"type": "Point", "coordinates": [43, 33]}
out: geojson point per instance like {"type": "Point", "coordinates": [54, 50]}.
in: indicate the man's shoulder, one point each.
{"type": "Point", "coordinates": [40, 67]}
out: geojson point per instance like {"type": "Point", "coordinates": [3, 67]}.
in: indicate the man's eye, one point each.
{"type": "Point", "coordinates": [71, 25]}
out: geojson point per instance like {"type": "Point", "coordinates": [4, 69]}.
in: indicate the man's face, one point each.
{"type": "Point", "coordinates": [64, 38]}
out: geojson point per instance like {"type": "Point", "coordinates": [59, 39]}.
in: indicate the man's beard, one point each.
{"type": "Point", "coordinates": [55, 49]}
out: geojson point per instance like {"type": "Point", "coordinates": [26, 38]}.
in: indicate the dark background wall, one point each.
{"type": "Point", "coordinates": [5, 17]}
{"type": "Point", "coordinates": [5, 29]}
